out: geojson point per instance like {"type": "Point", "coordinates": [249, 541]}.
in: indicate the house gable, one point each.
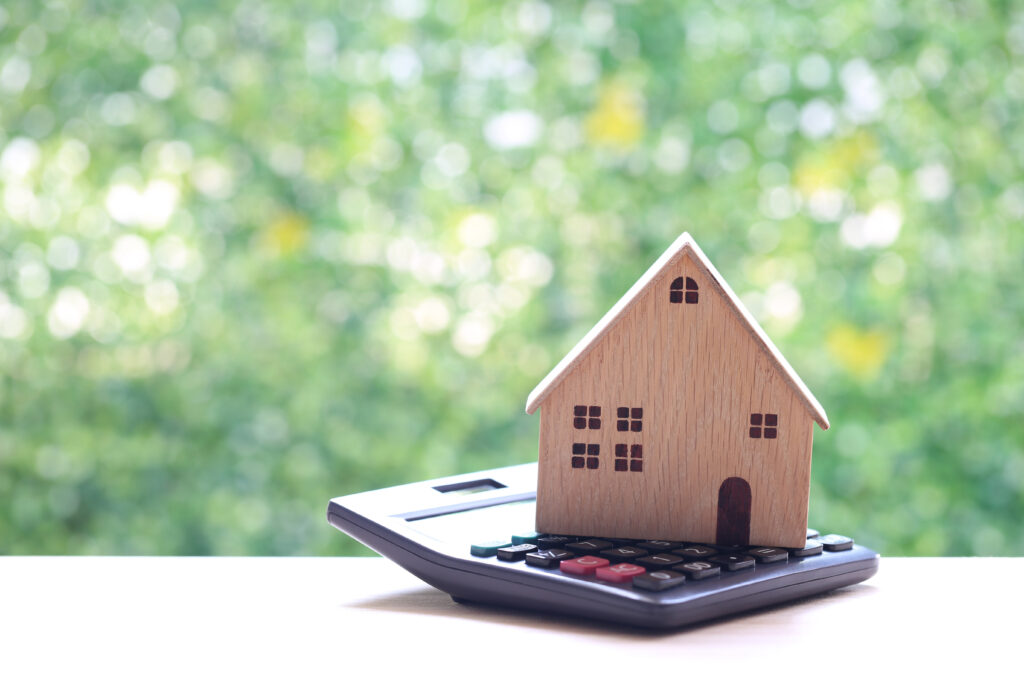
{"type": "Point", "coordinates": [683, 247]}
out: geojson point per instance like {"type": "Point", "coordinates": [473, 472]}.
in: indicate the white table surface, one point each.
{"type": "Point", "coordinates": [170, 618]}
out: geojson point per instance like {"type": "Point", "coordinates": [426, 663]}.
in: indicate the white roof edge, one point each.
{"type": "Point", "coordinates": [683, 242]}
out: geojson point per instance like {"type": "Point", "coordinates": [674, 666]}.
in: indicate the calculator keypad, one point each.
{"type": "Point", "coordinates": [648, 565]}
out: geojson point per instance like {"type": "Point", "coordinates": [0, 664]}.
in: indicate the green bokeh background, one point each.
{"type": "Point", "coordinates": [254, 255]}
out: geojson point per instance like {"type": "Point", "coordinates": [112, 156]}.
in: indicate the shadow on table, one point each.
{"type": "Point", "coordinates": [433, 602]}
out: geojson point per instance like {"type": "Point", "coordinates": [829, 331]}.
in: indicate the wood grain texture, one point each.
{"type": "Point", "coordinates": [698, 372]}
{"type": "Point", "coordinates": [684, 244]}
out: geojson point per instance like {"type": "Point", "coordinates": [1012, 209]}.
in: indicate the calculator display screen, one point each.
{"type": "Point", "coordinates": [481, 524]}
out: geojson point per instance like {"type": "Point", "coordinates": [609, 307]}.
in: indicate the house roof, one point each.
{"type": "Point", "coordinates": [683, 244]}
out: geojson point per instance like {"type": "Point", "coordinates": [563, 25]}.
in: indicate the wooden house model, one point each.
{"type": "Point", "coordinates": [676, 418]}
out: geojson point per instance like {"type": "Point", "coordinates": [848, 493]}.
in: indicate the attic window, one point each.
{"type": "Point", "coordinates": [683, 289]}
{"type": "Point", "coordinates": [585, 417]}
{"type": "Point", "coordinates": [770, 428]}
{"type": "Point", "coordinates": [629, 419]}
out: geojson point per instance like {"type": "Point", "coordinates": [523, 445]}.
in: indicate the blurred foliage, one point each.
{"type": "Point", "coordinates": [254, 255]}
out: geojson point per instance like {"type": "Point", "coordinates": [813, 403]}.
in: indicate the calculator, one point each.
{"type": "Point", "coordinates": [473, 537]}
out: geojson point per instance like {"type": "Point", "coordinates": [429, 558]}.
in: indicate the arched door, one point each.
{"type": "Point", "coordinates": [733, 512]}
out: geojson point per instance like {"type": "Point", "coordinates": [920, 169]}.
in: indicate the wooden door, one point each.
{"type": "Point", "coordinates": [733, 512]}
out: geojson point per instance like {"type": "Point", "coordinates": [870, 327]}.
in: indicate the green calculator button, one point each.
{"type": "Point", "coordinates": [530, 537]}
{"type": "Point", "coordinates": [488, 549]}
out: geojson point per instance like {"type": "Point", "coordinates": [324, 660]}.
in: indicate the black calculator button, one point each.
{"type": "Point", "coordinates": [659, 561]}
{"type": "Point", "coordinates": [768, 555]}
{"type": "Point", "coordinates": [546, 542]}
{"type": "Point", "coordinates": [548, 558]}
{"type": "Point", "coordinates": [835, 542]}
{"type": "Point", "coordinates": [659, 580]}
{"type": "Point", "coordinates": [695, 552]}
{"type": "Point", "coordinates": [658, 546]}
{"type": "Point", "coordinates": [812, 533]}
{"type": "Point", "coordinates": [515, 553]}
{"type": "Point", "coordinates": [733, 562]}
{"type": "Point", "coordinates": [624, 554]}
{"type": "Point", "coordinates": [812, 547]}
{"type": "Point", "coordinates": [698, 569]}
{"type": "Point", "coordinates": [591, 545]}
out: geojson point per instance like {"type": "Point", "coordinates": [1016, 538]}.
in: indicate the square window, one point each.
{"type": "Point", "coordinates": [637, 451]}
{"type": "Point", "coordinates": [591, 463]}
{"type": "Point", "coordinates": [755, 419]}
{"type": "Point", "coordinates": [579, 411]}
{"type": "Point", "coordinates": [579, 448]}
{"type": "Point", "coordinates": [593, 449]}
{"type": "Point", "coordinates": [771, 419]}
{"type": "Point", "coordinates": [595, 423]}
{"type": "Point", "coordinates": [620, 450]}
{"type": "Point", "coordinates": [620, 465]}
{"type": "Point", "coordinates": [623, 412]}
{"type": "Point", "coordinates": [622, 425]}
{"type": "Point", "coordinates": [579, 422]}
{"type": "Point", "coordinates": [675, 297]}
{"type": "Point", "coordinates": [755, 432]}
{"type": "Point", "coordinates": [577, 462]}
{"type": "Point", "coordinates": [691, 297]}
{"type": "Point", "coordinates": [637, 413]}
{"type": "Point", "coordinates": [636, 465]}
{"type": "Point", "coordinates": [637, 426]}
{"type": "Point", "coordinates": [770, 432]}
{"type": "Point", "coordinates": [595, 411]}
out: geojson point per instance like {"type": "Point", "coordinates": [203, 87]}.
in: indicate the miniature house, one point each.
{"type": "Point", "coordinates": [676, 418]}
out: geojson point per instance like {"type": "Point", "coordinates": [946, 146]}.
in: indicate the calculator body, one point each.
{"type": "Point", "coordinates": [430, 527]}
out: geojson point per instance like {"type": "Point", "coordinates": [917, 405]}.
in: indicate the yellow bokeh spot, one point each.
{"type": "Point", "coordinates": [834, 166]}
{"type": "Point", "coordinates": [860, 352]}
{"type": "Point", "coordinates": [367, 119]}
{"type": "Point", "coordinates": [618, 118]}
{"type": "Point", "coordinates": [287, 234]}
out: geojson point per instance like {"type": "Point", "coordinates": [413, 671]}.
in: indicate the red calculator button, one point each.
{"type": "Point", "coordinates": [584, 566]}
{"type": "Point", "coordinates": [620, 573]}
